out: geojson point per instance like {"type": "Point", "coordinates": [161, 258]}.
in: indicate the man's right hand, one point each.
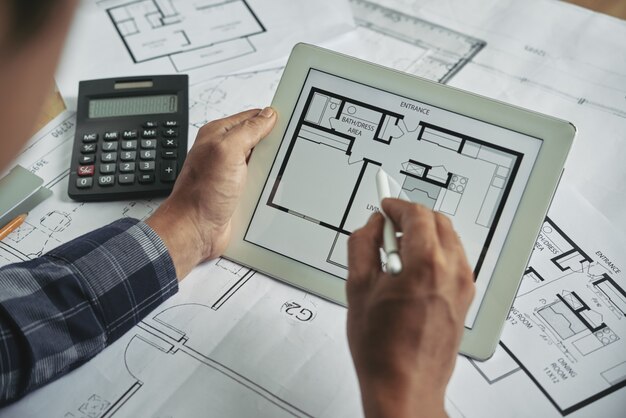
{"type": "Point", "coordinates": [405, 330]}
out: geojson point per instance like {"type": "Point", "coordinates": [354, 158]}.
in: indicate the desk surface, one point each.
{"type": "Point", "coordinates": [615, 8]}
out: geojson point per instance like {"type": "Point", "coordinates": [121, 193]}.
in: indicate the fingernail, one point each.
{"type": "Point", "coordinates": [268, 112]}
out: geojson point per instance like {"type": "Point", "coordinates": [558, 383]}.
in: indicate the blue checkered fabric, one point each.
{"type": "Point", "coordinates": [61, 309]}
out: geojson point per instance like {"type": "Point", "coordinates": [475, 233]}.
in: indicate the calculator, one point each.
{"type": "Point", "coordinates": [131, 137]}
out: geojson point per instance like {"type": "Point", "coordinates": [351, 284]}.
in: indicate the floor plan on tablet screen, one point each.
{"type": "Point", "coordinates": [322, 184]}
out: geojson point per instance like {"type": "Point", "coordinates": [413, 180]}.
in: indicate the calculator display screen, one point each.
{"type": "Point", "coordinates": [131, 106]}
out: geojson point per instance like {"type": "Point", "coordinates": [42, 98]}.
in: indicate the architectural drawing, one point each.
{"type": "Point", "coordinates": [186, 347]}
{"type": "Point", "coordinates": [538, 84]}
{"type": "Point", "coordinates": [227, 95]}
{"type": "Point", "coordinates": [356, 139]}
{"type": "Point", "coordinates": [411, 44]}
{"type": "Point", "coordinates": [566, 330]}
{"type": "Point", "coordinates": [201, 38]}
{"type": "Point", "coordinates": [322, 183]}
{"type": "Point", "coordinates": [189, 34]}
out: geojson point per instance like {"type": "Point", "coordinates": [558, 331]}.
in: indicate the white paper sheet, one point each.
{"type": "Point", "coordinates": [205, 39]}
{"type": "Point", "coordinates": [563, 349]}
{"type": "Point", "coordinates": [230, 343]}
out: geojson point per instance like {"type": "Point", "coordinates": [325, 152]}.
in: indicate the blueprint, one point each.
{"type": "Point", "coordinates": [562, 349]}
{"type": "Point", "coordinates": [201, 38]}
{"type": "Point", "coordinates": [236, 343]}
{"type": "Point", "coordinates": [189, 352]}
{"type": "Point", "coordinates": [322, 183]}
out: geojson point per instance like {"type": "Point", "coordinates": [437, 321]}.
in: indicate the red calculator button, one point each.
{"type": "Point", "coordinates": [86, 170]}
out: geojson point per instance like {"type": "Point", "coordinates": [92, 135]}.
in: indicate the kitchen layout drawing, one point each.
{"type": "Point", "coordinates": [191, 34]}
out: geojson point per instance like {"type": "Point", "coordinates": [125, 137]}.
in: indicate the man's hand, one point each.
{"type": "Point", "coordinates": [194, 221]}
{"type": "Point", "coordinates": [405, 330]}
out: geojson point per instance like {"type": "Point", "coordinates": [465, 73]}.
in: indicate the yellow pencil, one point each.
{"type": "Point", "coordinates": [12, 226]}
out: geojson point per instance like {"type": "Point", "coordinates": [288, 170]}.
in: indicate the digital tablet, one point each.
{"type": "Point", "coordinates": [492, 168]}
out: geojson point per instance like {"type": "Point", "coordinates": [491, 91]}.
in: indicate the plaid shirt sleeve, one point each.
{"type": "Point", "coordinates": [61, 309]}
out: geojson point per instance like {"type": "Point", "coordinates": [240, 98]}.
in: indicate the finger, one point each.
{"type": "Point", "coordinates": [448, 237]}
{"type": "Point", "coordinates": [417, 223]}
{"type": "Point", "coordinates": [364, 252]}
{"type": "Point", "coordinates": [247, 134]}
{"type": "Point", "coordinates": [222, 126]}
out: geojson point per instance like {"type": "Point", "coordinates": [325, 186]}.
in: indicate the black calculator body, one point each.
{"type": "Point", "coordinates": [131, 137]}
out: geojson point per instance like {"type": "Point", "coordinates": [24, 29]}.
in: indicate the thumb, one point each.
{"type": "Point", "coordinates": [249, 133]}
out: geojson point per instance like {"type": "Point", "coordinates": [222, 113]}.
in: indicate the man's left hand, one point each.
{"type": "Point", "coordinates": [194, 221]}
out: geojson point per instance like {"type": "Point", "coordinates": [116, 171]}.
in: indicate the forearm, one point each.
{"type": "Point", "coordinates": [400, 399]}
{"type": "Point", "coordinates": [179, 232]}
{"type": "Point", "coordinates": [61, 309]}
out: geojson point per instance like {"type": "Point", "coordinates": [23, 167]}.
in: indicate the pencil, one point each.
{"type": "Point", "coordinates": [12, 226]}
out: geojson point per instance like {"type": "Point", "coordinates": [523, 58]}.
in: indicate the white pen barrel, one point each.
{"type": "Point", "coordinates": [389, 237]}
{"type": "Point", "coordinates": [390, 242]}
{"type": "Point", "coordinates": [382, 183]}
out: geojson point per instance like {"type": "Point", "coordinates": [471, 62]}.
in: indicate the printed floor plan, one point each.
{"type": "Point", "coordinates": [566, 328]}
{"type": "Point", "coordinates": [191, 34]}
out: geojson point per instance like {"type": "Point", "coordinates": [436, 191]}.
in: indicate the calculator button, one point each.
{"type": "Point", "coordinates": [169, 143]}
{"type": "Point", "coordinates": [129, 145]}
{"type": "Point", "coordinates": [88, 148]}
{"type": "Point", "coordinates": [170, 154]}
{"type": "Point", "coordinates": [170, 133]}
{"type": "Point", "coordinates": [127, 167]}
{"type": "Point", "coordinates": [109, 146]}
{"type": "Point", "coordinates": [168, 171]}
{"type": "Point", "coordinates": [92, 137]}
{"type": "Point", "coordinates": [106, 180]}
{"type": "Point", "coordinates": [126, 179]}
{"type": "Point", "coordinates": [108, 157]}
{"type": "Point", "coordinates": [84, 182]}
{"type": "Point", "coordinates": [149, 133]}
{"type": "Point", "coordinates": [107, 168]}
{"type": "Point", "coordinates": [132, 134]}
{"type": "Point", "coordinates": [128, 155]}
{"type": "Point", "coordinates": [148, 143]}
{"type": "Point", "coordinates": [150, 124]}
{"type": "Point", "coordinates": [146, 166]}
{"type": "Point", "coordinates": [146, 178]}
{"type": "Point", "coordinates": [86, 159]}
{"type": "Point", "coordinates": [111, 136]}
{"type": "Point", "coordinates": [170, 124]}
{"type": "Point", "coordinates": [86, 170]}
{"type": "Point", "coordinates": [147, 154]}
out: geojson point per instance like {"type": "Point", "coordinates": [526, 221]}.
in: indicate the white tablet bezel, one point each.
{"type": "Point", "coordinates": [557, 135]}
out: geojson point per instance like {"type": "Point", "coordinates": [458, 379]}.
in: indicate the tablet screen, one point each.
{"type": "Point", "coordinates": [322, 183]}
